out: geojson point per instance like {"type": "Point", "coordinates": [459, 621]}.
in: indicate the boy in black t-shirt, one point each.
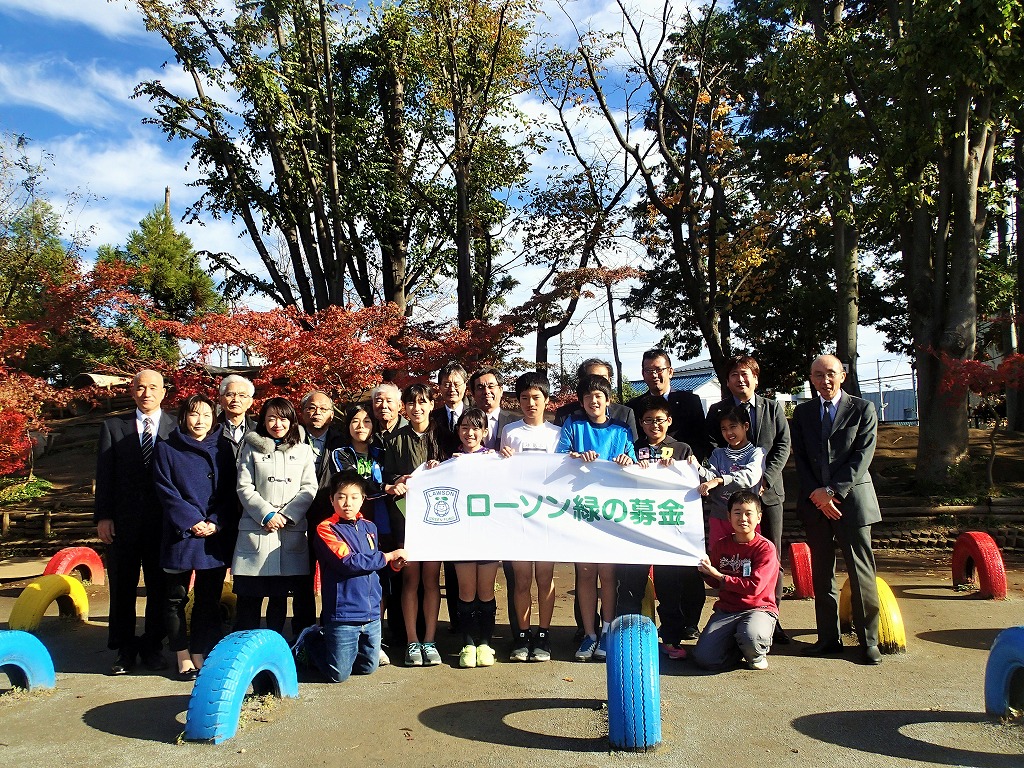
{"type": "Point", "coordinates": [680, 589]}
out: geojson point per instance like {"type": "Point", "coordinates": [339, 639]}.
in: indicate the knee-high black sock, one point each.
{"type": "Point", "coordinates": [486, 610]}
{"type": "Point", "coordinates": [467, 621]}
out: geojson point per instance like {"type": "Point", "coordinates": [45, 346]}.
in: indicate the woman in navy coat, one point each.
{"type": "Point", "coordinates": [195, 473]}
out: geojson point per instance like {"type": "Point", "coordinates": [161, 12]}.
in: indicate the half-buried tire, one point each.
{"type": "Point", "coordinates": [257, 656]}
{"type": "Point", "coordinates": [67, 591]}
{"type": "Point", "coordinates": [81, 559]}
{"type": "Point", "coordinates": [1004, 673]}
{"type": "Point", "coordinates": [26, 661]}
{"type": "Point", "coordinates": [892, 634]}
{"type": "Point", "coordinates": [800, 567]}
{"type": "Point", "coordinates": [976, 551]}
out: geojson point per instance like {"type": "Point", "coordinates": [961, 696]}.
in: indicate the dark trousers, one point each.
{"type": "Point", "coordinates": [126, 557]}
{"type": "Point", "coordinates": [204, 630]}
{"type": "Point", "coordinates": [510, 589]}
{"type": "Point", "coordinates": [855, 542]}
{"type": "Point", "coordinates": [249, 608]}
{"type": "Point", "coordinates": [771, 529]}
{"type": "Point", "coordinates": [680, 591]}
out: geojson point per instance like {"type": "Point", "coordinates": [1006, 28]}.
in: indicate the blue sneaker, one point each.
{"type": "Point", "coordinates": [601, 652]}
{"type": "Point", "coordinates": [587, 648]}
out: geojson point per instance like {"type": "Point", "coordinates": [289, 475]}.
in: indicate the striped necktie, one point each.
{"type": "Point", "coordinates": [147, 442]}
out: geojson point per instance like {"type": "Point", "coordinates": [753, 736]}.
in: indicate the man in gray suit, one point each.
{"type": "Point", "coordinates": [769, 431]}
{"type": "Point", "coordinates": [129, 521]}
{"type": "Point", "coordinates": [834, 439]}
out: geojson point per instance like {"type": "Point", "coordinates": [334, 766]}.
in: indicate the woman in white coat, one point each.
{"type": "Point", "coordinates": [276, 484]}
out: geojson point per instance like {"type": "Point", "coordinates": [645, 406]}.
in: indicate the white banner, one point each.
{"type": "Point", "coordinates": [553, 507]}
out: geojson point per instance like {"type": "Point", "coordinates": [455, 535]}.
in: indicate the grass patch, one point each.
{"type": "Point", "coordinates": [14, 490]}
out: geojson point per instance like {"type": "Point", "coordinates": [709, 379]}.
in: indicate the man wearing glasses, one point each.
{"type": "Point", "coordinates": [616, 411]}
{"type": "Point", "coordinates": [235, 398]}
{"type": "Point", "coordinates": [687, 411]}
{"type": "Point", "coordinates": [316, 417]}
{"type": "Point", "coordinates": [485, 386]}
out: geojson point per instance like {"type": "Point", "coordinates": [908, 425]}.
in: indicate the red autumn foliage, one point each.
{"type": "Point", "coordinates": [981, 378]}
{"type": "Point", "coordinates": [15, 443]}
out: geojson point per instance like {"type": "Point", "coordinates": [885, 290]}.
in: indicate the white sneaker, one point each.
{"type": "Point", "coordinates": [384, 660]}
{"type": "Point", "coordinates": [758, 662]}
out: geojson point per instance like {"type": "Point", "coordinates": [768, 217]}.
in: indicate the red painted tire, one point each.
{"type": "Point", "coordinates": [976, 551]}
{"type": "Point", "coordinates": [800, 567]}
{"type": "Point", "coordinates": [81, 559]}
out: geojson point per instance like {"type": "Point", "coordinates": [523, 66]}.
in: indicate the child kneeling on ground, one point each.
{"type": "Point", "coordinates": [744, 567]}
{"type": "Point", "coordinates": [348, 638]}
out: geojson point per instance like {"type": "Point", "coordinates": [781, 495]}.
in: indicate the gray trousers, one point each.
{"type": "Point", "coordinates": [855, 542]}
{"type": "Point", "coordinates": [729, 636]}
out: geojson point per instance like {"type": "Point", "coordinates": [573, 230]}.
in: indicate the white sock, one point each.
{"type": "Point", "coordinates": [605, 626]}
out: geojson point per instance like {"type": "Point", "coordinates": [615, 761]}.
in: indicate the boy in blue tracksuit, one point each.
{"type": "Point", "coordinates": [348, 638]}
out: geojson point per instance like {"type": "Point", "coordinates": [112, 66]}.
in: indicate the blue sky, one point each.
{"type": "Point", "coordinates": [67, 72]}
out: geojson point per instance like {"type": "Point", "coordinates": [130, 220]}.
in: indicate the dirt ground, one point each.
{"type": "Point", "coordinates": [922, 708]}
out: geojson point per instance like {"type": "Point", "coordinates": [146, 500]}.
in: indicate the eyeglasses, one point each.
{"type": "Point", "coordinates": [652, 422]}
{"type": "Point", "coordinates": [657, 371]}
{"type": "Point", "coordinates": [236, 396]}
{"type": "Point", "coordinates": [318, 409]}
{"type": "Point", "coordinates": [488, 387]}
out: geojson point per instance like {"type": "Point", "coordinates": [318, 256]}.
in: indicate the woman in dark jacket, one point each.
{"type": "Point", "coordinates": [194, 471]}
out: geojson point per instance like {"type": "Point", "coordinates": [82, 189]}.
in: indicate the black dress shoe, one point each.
{"type": "Point", "coordinates": [189, 675]}
{"type": "Point", "coordinates": [872, 655]}
{"type": "Point", "coordinates": [154, 661]}
{"type": "Point", "coordinates": [780, 637]}
{"type": "Point", "coordinates": [124, 664]}
{"type": "Point", "coordinates": [690, 633]}
{"type": "Point", "coordinates": [824, 648]}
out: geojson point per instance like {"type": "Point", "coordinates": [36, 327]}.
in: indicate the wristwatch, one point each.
{"type": "Point", "coordinates": [830, 491]}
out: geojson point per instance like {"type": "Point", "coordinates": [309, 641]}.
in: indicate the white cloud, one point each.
{"type": "Point", "coordinates": [53, 85]}
{"type": "Point", "coordinates": [111, 19]}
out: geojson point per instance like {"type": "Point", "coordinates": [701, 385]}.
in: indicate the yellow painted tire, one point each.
{"type": "Point", "coordinates": [228, 602]}
{"type": "Point", "coordinates": [892, 635]}
{"type": "Point", "coordinates": [67, 591]}
{"type": "Point", "coordinates": [647, 606]}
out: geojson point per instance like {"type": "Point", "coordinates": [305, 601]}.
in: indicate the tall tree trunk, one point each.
{"type": "Point", "coordinates": [1015, 397]}
{"type": "Point", "coordinates": [846, 259]}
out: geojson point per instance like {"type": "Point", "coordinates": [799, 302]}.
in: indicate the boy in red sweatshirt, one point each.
{"type": "Point", "coordinates": [744, 567]}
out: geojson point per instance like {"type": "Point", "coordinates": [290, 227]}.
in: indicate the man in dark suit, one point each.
{"type": "Point", "coordinates": [617, 411]}
{"type": "Point", "coordinates": [686, 409]}
{"type": "Point", "coordinates": [834, 439]}
{"type": "Point", "coordinates": [769, 431]}
{"type": "Point", "coordinates": [486, 388]}
{"type": "Point", "coordinates": [451, 381]}
{"type": "Point", "coordinates": [234, 395]}
{"type": "Point", "coordinates": [129, 521]}
{"type": "Point", "coordinates": [316, 417]}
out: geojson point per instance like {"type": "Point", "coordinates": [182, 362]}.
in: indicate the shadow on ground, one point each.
{"type": "Point", "coordinates": [149, 719]}
{"type": "Point", "coordinates": [886, 732]}
{"type": "Point", "coordinates": [975, 639]}
{"type": "Point", "coordinates": [485, 721]}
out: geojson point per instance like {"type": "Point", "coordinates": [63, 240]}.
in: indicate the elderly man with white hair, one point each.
{"type": "Point", "coordinates": [234, 395]}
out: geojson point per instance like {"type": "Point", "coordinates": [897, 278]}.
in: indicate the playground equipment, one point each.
{"type": "Point", "coordinates": [33, 601]}
{"type": "Point", "coordinates": [976, 551]}
{"type": "Point", "coordinates": [26, 661]}
{"type": "Point", "coordinates": [84, 560]}
{"type": "Point", "coordinates": [892, 635]}
{"type": "Point", "coordinates": [1004, 673]}
{"type": "Point", "coordinates": [634, 685]}
{"type": "Point", "coordinates": [257, 656]}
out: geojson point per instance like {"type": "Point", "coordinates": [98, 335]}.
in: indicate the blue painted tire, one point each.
{"type": "Point", "coordinates": [257, 656]}
{"type": "Point", "coordinates": [25, 660]}
{"type": "Point", "coordinates": [1004, 673]}
{"type": "Point", "coordinates": [634, 685]}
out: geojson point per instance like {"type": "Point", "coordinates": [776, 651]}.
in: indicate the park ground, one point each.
{"type": "Point", "coordinates": [921, 708]}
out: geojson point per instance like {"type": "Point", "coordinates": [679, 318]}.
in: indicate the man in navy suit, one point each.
{"type": "Point", "coordinates": [129, 521]}
{"type": "Point", "coordinates": [769, 431]}
{"type": "Point", "coordinates": [486, 389]}
{"type": "Point", "coordinates": [685, 407]}
{"type": "Point", "coordinates": [834, 437]}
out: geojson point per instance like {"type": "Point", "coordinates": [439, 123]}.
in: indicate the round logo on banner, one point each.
{"type": "Point", "coordinates": [441, 506]}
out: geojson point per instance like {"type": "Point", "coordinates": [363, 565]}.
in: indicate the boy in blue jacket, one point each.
{"type": "Point", "coordinates": [348, 638]}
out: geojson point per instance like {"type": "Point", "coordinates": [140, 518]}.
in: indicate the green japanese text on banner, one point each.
{"type": "Point", "coordinates": [552, 507]}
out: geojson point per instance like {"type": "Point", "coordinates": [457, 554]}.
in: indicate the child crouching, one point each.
{"type": "Point", "coordinates": [744, 567]}
{"type": "Point", "coordinates": [348, 638]}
